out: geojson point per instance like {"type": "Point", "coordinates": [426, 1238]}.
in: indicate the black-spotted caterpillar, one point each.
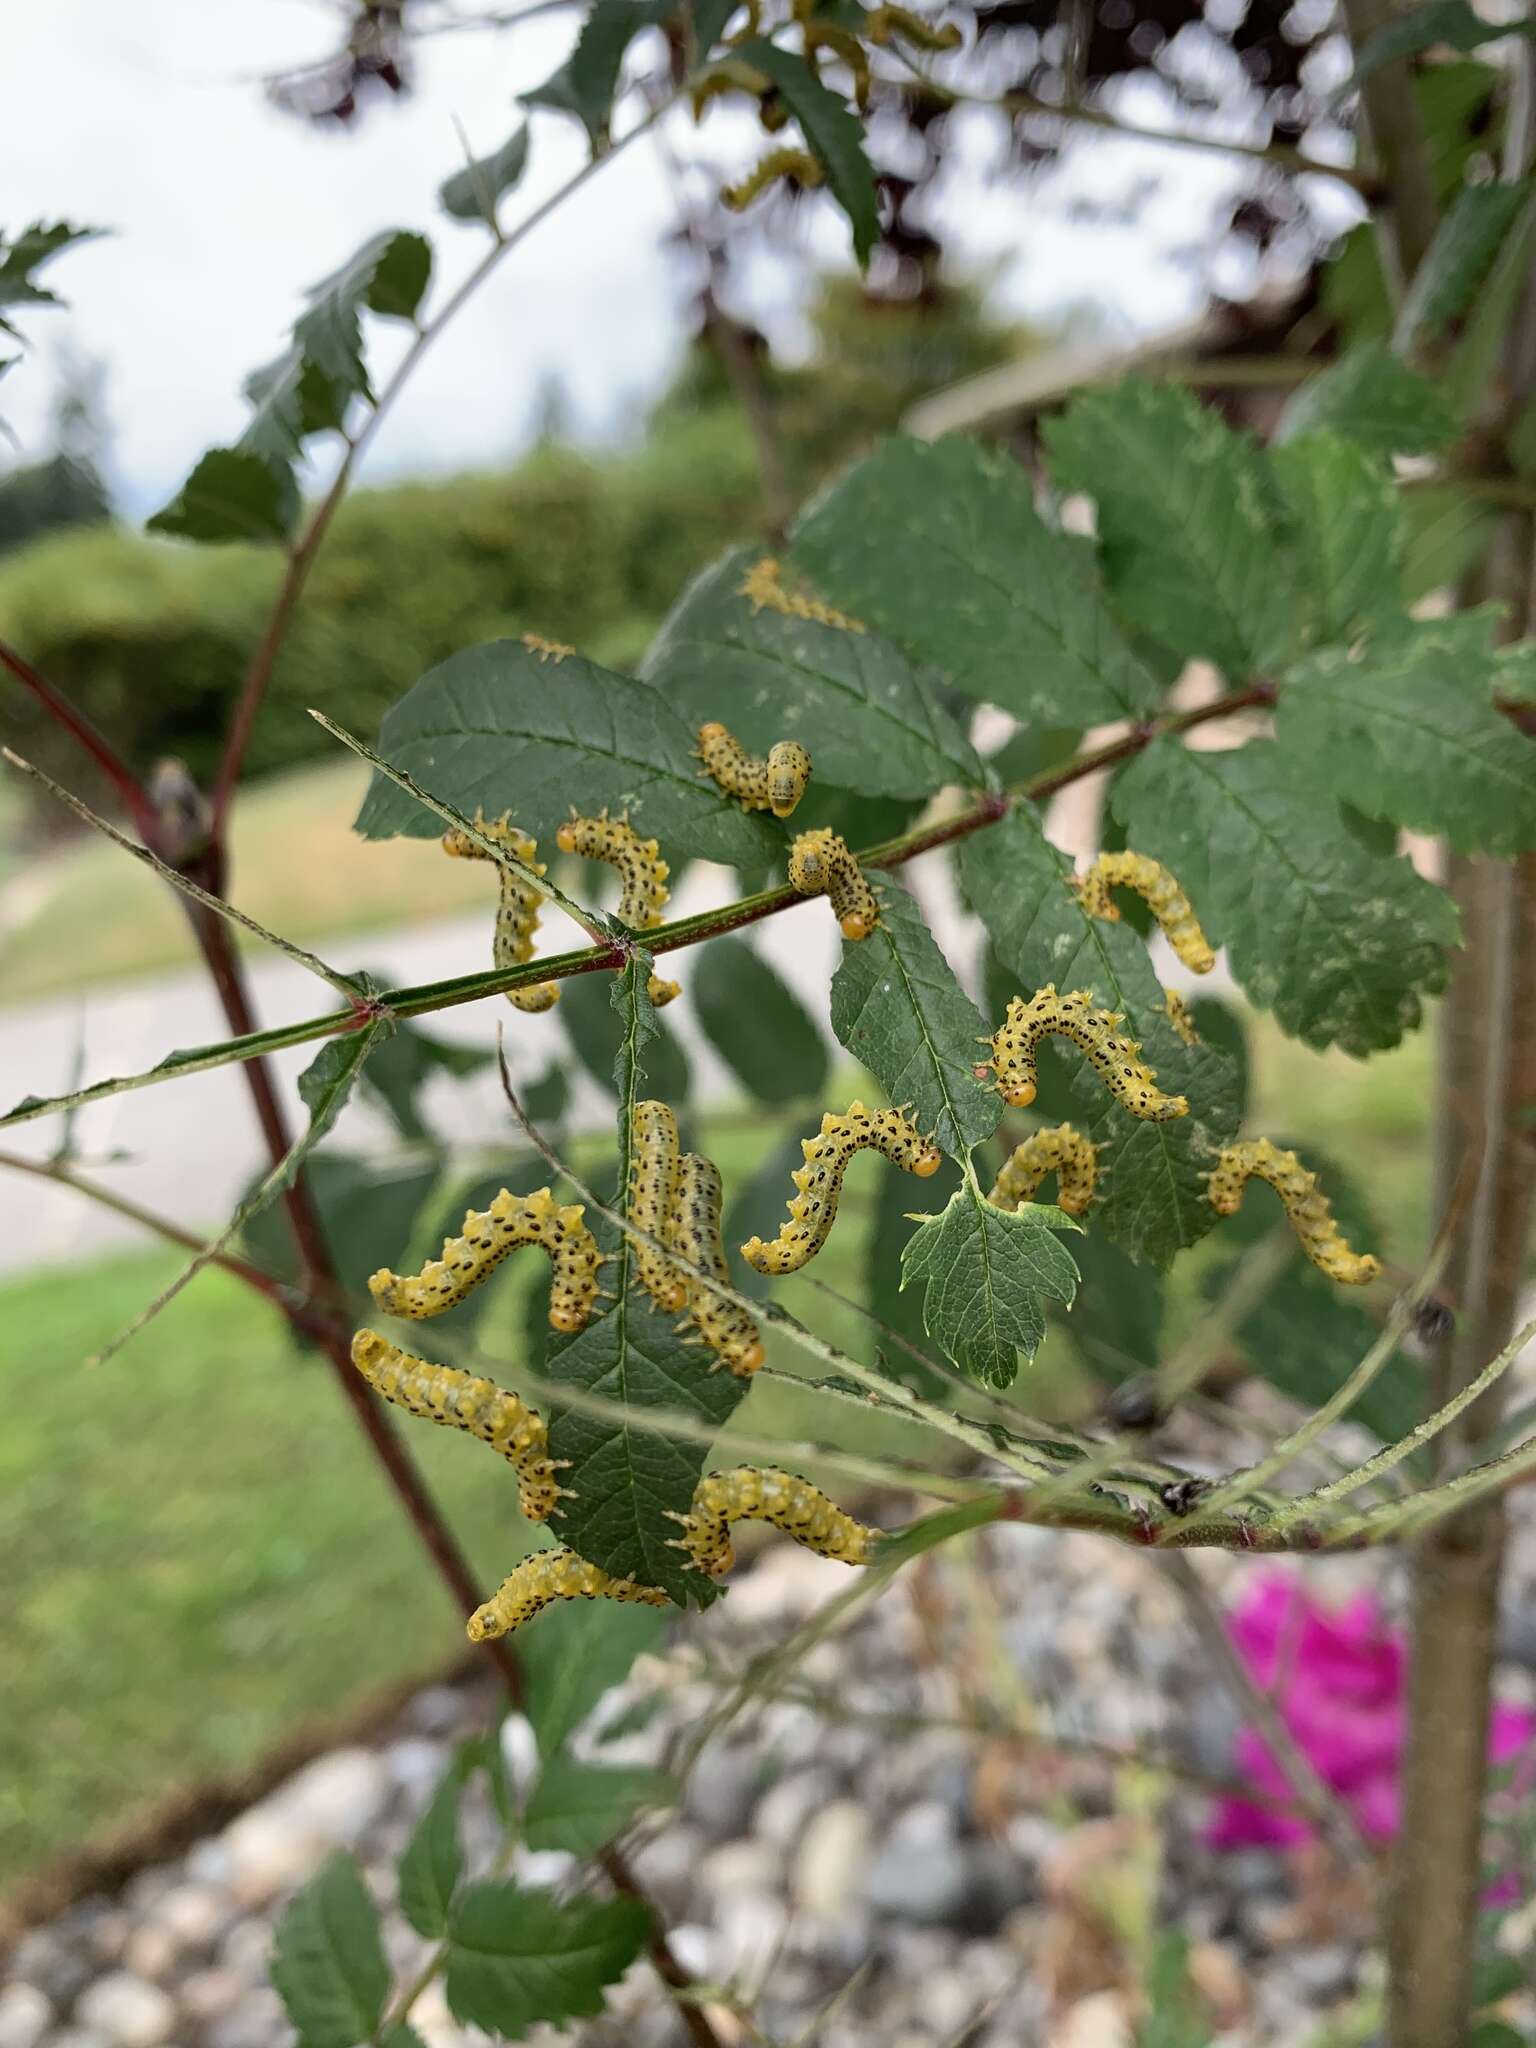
{"type": "Point", "coordinates": [764, 590]}
{"type": "Point", "coordinates": [1062, 1151]}
{"type": "Point", "coordinates": [775, 784]}
{"type": "Point", "coordinates": [441, 1393]}
{"type": "Point", "coordinates": [794, 1505]}
{"type": "Point", "coordinates": [1305, 1204]}
{"type": "Point", "coordinates": [789, 1503]}
{"type": "Point", "coordinates": [820, 864]}
{"type": "Point", "coordinates": [1161, 894]}
{"type": "Point", "coordinates": [813, 1210]}
{"type": "Point", "coordinates": [1116, 1060]}
{"type": "Point", "coordinates": [642, 876]}
{"type": "Point", "coordinates": [517, 914]}
{"type": "Point", "coordinates": [652, 1186]}
{"type": "Point", "coordinates": [489, 1234]}
{"type": "Point", "coordinates": [695, 1232]}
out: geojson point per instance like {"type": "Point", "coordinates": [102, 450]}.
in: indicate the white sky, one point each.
{"type": "Point", "coordinates": [149, 119]}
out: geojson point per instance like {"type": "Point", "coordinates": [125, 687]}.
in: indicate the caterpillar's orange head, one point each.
{"type": "Point", "coordinates": [929, 1164]}
{"type": "Point", "coordinates": [565, 838]}
{"type": "Point", "coordinates": [854, 925]}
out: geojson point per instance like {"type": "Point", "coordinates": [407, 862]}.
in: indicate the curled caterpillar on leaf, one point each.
{"type": "Point", "coordinates": [763, 589]}
{"type": "Point", "coordinates": [695, 1233]}
{"type": "Point", "coordinates": [882, 23]}
{"type": "Point", "coordinates": [1062, 1151]}
{"type": "Point", "coordinates": [1117, 1061]}
{"type": "Point", "coordinates": [820, 864]}
{"type": "Point", "coordinates": [642, 875]}
{"type": "Point", "coordinates": [775, 784]}
{"type": "Point", "coordinates": [517, 915]}
{"type": "Point", "coordinates": [488, 1236]}
{"type": "Point", "coordinates": [460, 1400]}
{"type": "Point", "coordinates": [797, 166]}
{"type": "Point", "coordinates": [813, 1210]}
{"type": "Point", "coordinates": [843, 43]}
{"type": "Point", "coordinates": [1161, 894]}
{"type": "Point", "coordinates": [543, 1578]}
{"type": "Point", "coordinates": [1305, 1203]}
{"type": "Point", "coordinates": [1179, 1016]}
{"type": "Point", "coordinates": [780, 1498]}
{"type": "Point", "coordinates": [652, 1184]}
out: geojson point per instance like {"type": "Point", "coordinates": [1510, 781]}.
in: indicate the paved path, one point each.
{"type": "Point", "coordinates": [188, 1147]}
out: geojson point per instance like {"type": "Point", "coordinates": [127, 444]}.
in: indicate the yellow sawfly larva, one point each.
{"type": "Point", "coordinates": [695, 1233]}
{"type": "Point", "coordinates": [1117, 1061]}
{"type": "Point", "coordinates": [1179, 1016]}
{"type": "Point", "coordinates": [813, 1209]}
{"type": "Point", "coordinates": [441, 1393]}
{"type": "Point", "coordinates": [843, 43]}
{"type": "Point", "coordinates": [1162, 895]}
{"type": "Point", "coordinates": [789, 1503]}
{"type": "Point", "coordinates": [1305, 1203]}
{"type": "Point", "coordinates": [517, 914]}
{"type": "Point", "coordinates": [1062, 1151]}
{"type": "Point", "coordinates": [642, 875]}
{"type": "Point", "coordinates": [547, 650]}
{"type": "Point", "coordinates": [791, 164]}
{"type": "Point", "coordinates": [881, 23]}
{"type": "Point", "coordinates": [543, 1578]}
{"type": "Point", "coordinates": [652, 1184]}
{"type": "Point", "coordinates": [488, 1236]}
{"type": "Point", "coordinates": [820, 864]}
{"type": "Point", "coordinates": [763, 588]}
{"type": "Point", "coordinates": [775, 784]}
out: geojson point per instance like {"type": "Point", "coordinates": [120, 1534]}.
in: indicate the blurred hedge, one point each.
{"type": "Point", "coordinates": [151, 636]}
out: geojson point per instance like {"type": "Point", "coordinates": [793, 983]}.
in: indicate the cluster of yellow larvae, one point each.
{"type": "Point", "coordinates": [674, 1199]}
{"type": "Point", "coordinates": [822, 39]}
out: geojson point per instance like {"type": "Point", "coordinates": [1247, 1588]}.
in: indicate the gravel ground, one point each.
{"type": "Point", "coordinates": [861, 1858]}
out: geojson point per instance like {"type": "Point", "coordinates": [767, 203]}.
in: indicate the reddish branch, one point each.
{"type": "Point", "coordinates": [79, 727]}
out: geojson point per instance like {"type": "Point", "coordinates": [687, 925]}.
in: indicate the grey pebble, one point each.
{"type": "Point", "coordinates": [131, 2013]}
{"type": "Point", "coordinates": [25, 2016]}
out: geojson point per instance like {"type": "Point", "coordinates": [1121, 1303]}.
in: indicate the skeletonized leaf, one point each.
{"type": "Point", "coordinates": [939, 545]}
{"type": "Point", "coordinates": [872, 721]}
{"type": "Point", "coordinates": [501, 728]}
{"type": "Point", "coordinates": [1341, 943]}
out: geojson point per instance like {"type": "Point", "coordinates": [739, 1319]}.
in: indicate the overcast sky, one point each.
{"type": "Point", "coordinates": [150, 119]}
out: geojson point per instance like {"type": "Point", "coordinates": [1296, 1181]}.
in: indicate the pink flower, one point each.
{"type": "Point", "coordinates": [1339, 1680]}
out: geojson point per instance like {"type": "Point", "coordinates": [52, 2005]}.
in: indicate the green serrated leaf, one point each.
{"type": "Point", "coordinates": [987, 1273]}
{"type": "Point", "coordinates": [328, 1963]}
{"type": "Point", "coordinates": [578, 1806]}
{"type": "Point", "coordinates": [873, 722]}
{"type": "Point", "coordinates": [757, 1023]}
{"type": "Point", "coordinates": [1370, 396]}
{"type": "Point", "coordinates": [432, 1864]}
{"type": "Point", "coordinates": [518, 1955]}
{"type": "Point", "coordinates": [388, 276]}
{"type": "Point", "coordinates": [573, 1657]}
{"type": "Point", "coordinates": [22, 256]}
{"type": "Point", "coordinates": [500, 728]}
{"type": "Point", "coordinates": [1407, 731]}
{"type": "Point", "coordinates": [471, 194]}
{"type": "Point", "coordinates": [290, 398]}
{"type": "Point", "coordinates": [232, 494]}
{"type": "Point", "coordinates": [586, 82]}
{"type": "Point", "coordinates": [1153, 1199]}
{"type": "Point", "coordinates": [1191, 555]}
{"type": "Point", "coordinates": [1340, 943]}
{"type": "Point", "coordinates": [833, 134]}
{"type": "Point", "coordinates": [939, 545]}
{"type": "Point", "coordinates": [898, 1008]}
{"type": "Point", "coordinates": [1459, 260]}
{"type": "Point", "coordinates": [1346, 529]}
{"type": "Point", "coordinates": [883, 1294]}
